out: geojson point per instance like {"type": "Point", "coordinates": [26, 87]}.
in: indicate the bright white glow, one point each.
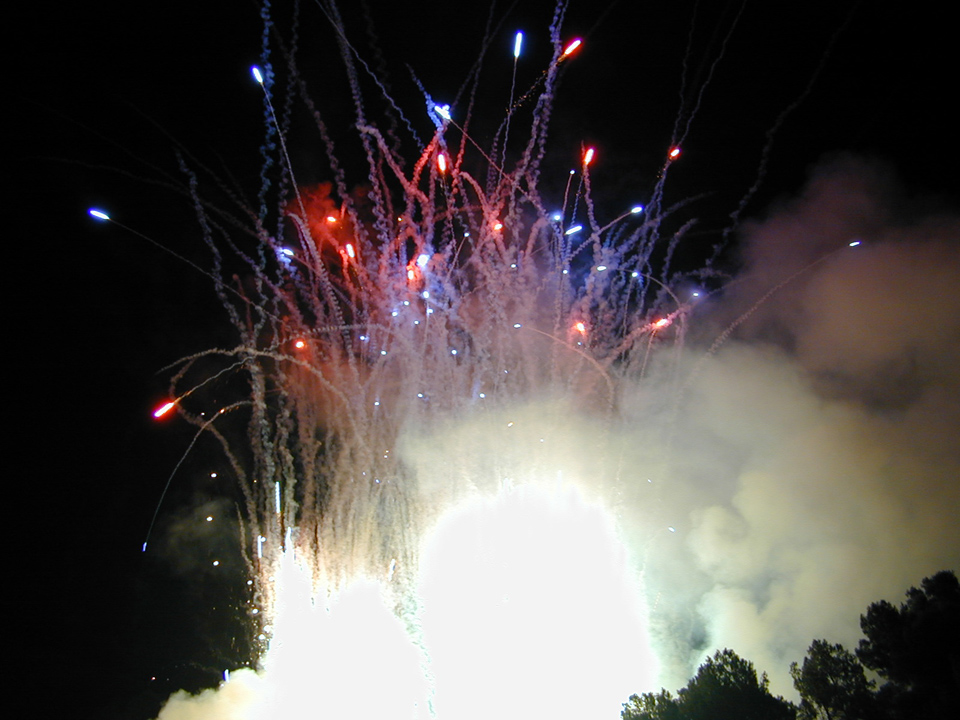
{"type": "Point", "coordinates": [854, 243]}
{"type": "Point", "coordinates": [571, 47]}
{"type": "Point", "coordinates": [549, 560]}
{"type": "Point", "coordinates": [276, 493]}
{"type": "Point", "coordinates": [574, 229]}
{"type": "Point", "coordinates": [422, 259]}
{"type": "Point", "coordinates": [164, 409]}
{"type": "Point", "coordinates": [287, 251]}
{"type": "Point", "coordinates": [443, 111]}
{"type": "Point", "coordinates": [601, 268]}
{"type": "Point", "coordinates": [517, 42]}
{"type": "Point", "coordinates": [256, 74]}
{"type": "Point", "coordinates": [517, 325]}
{"type": "Point", "coordinates": [98, 214]}
{"type": "Point", "coordinates": [636, 209]}
{"type": "Point", "coordinates": [329, 654]}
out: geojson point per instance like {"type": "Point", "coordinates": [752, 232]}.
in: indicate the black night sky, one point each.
{"type": "Point", "coordinates": [106, 92]}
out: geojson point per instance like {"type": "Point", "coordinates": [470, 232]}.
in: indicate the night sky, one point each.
{"type": "Point", "coordinates": [108, 91]}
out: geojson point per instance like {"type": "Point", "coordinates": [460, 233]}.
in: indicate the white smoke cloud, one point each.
{"type": "Point", "coordinates": [835, 413]}
{"type": "Point", "coordinates": [772, 488]}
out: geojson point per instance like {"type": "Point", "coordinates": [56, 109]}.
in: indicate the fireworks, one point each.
{"type": "Point", "coordinates": [413, 347]}
{"type": "Point", "coordinates": [365, 315]}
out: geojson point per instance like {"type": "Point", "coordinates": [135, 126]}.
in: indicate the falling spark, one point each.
{"type": "Point", "coordinates": [571, 48]}
{"type": "Point", "coordinates": [164, 409]}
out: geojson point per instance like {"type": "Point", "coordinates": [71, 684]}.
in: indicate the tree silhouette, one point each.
{"type": "Point", "coordinates": [832, 685]}
{"type": "Point", "coordinates": [650, 706]}
{"type": "Point", "coordinates": [916, 648]}
{"type": "Point", "coordinates": [725, 688]}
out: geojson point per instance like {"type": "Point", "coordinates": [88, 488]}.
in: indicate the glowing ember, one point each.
{"type": "Point", "coordinates": [164, 409]}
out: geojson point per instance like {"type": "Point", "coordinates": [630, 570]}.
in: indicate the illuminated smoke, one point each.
{"type": "Point", "coordinates": [434, 368]}
{"type": "Point", "coordinates": [455, 404]}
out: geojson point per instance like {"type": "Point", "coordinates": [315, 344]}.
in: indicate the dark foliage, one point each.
{"type": "Point", "coordinates": [832, 685]}
{"type": "Point", "coordinates": [725, 687]}
{"type": "Point", "coordinates": [916, 649]}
